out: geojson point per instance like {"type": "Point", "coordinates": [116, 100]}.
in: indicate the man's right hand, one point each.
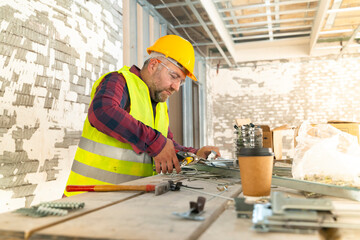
{"type": "Point", "coordinates": [166, 159]}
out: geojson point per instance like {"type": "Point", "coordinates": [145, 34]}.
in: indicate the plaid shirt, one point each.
{"type": "Point", "coordinates": [109, 114]}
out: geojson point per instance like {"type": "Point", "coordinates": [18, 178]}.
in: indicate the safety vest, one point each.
{"type": "Point", "coordinates": [101, 159]}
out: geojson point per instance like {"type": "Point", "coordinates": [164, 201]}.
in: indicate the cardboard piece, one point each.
{"type": "Point", "coordinates": [352, 128]}
{"type": "Point", "coordinates": [239, 122]}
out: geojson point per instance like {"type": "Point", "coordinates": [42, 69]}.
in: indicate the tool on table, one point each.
{"type": "Point", "coordinates": [176, 186]}
{"type": "Point", "coordinates": [189, 159]}
{"type": "Point", "coordinates": [196, 209]}
{"type": "Point", "coordinates": [50, 208]}
{"type": "Point", "coordinates": [297, 215]}
{"type": "Point", "coordinates": [158, 189]}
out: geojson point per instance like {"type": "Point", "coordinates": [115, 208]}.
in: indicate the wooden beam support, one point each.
{"type": "Point", "coordinates": [320, 17]}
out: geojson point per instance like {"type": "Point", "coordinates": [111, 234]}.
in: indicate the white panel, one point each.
{"type": "Point", "coordinates": [272, 50]}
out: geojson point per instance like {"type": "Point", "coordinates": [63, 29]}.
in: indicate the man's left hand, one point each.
{"type": "Point", "coordinates": [206, 150]}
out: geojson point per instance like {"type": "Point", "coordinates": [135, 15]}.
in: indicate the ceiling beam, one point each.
{"type": "Point", "coordinates": [336, 31]}
{"type": "Point", "coordinates": [253, 30]}
{"type": "Point", "coordinates": [277, 9]}
{"type": "Point", "coordinates": [175, 4]}
{"type": "Point", "coordinates": [275, 35]}
{"type": "Point", "coordinates": [269, 19]}
{"type": "Point", "coordinates": [183, 4]}
{"type": "Point", "coordinates": [199, 18]}
{"type": "Point", "coordinates": [274, 22]}
{"type": "Point", "coordinates": [274, 13]}
{"type": "Point", "coordinates": [205, 44]}
{"type": "Point", "coordinates": [344, 10]}
{"type": "Point", "coordinates": [331, 18]}
{"type": "Point", "coordinates": [154, 12]}
{"type": "Point", "coordinates": [191, 25]}
{"type": "Point", "coordinates": [319, 19]}
{"type": "Point", "coordinates": [349, 42]}
{"type": "Point", "coordinates": [215, 18]}
{"type": "Point", "coordinates": [265, 5]}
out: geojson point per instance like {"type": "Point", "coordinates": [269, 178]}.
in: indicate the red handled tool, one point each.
{"type": "Point", "coordinates": [158, 189]}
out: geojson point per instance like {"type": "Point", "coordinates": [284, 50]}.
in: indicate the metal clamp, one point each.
{"type": "Point", "coordinates": [196, 209]}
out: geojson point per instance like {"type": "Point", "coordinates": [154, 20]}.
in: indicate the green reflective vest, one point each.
{"type": "Point", "coordinates": [101, 159]}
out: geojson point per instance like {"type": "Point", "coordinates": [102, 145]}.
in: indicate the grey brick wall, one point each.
{"type": "Point", "coordinates": [50, 55]}
{"type": "Point", "coordinates": [283, 92]}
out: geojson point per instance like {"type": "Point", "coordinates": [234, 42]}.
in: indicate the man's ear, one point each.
{"type": "Point", "coordinates": [152, 66]}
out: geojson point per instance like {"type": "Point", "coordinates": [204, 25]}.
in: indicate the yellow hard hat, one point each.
{"type": "Point", "coordinates": [178, 49]}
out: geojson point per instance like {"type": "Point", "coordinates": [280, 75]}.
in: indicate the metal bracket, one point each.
{"type": "Point", "coordinates": [282, 204]}
{"type": "Point", "coordinates": [296, 215]}
{"type": "Point", "coordinates": [243, 209]}
{"type": "Point", "coordinates": [196, 209]}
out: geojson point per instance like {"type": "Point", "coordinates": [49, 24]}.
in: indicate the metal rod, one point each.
{"type": "Point", "coordinates": [275, 35]}
{"type": "Point", "coordinates": [349, 42]}
{"type": "Point", "coordinates": [266, 29]}
{"type": "Point", "coordinates": [199, 18]}
{"type": "Point", "coordinates": [325, 189]}
{"type": "Point", "coordinates": [264, 5]}
{"type": "Point", "coordinates": [264, 14]}
{"type": "Point", "coordinates": [207, 193]}
{"type": "Point", "coordinates": [274, 22]}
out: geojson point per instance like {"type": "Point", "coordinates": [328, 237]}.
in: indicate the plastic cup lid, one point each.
{"type": "Point", "coordinates": [255, 152]}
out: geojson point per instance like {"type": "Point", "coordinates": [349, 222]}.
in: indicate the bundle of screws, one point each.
{"type": "Point", "coordinates": [50, 208]}
{"type": "Point", "coordinates": [248, 136]}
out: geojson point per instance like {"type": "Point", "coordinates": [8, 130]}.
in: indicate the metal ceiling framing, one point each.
{"type": "Point", "coordinates": [223, 29]}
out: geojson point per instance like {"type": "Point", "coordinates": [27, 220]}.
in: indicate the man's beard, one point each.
{"type": "Point", "coordinates": [160, 96]}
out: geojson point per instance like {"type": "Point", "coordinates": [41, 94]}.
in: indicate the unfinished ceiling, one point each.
{"type": "Point", "coordinates": [228, 32]}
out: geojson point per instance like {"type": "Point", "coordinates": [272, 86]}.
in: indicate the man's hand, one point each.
{"type": "Point", "coordinates": [166, 159]}
{"type": "Point", "coordinates": [206, 150]}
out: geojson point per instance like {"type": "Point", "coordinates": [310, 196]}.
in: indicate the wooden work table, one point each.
{"type": "Point", "coordinates": [139, 215]}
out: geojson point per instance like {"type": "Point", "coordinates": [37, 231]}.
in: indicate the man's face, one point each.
{"type": "Point", "coordinates": [165, 80]}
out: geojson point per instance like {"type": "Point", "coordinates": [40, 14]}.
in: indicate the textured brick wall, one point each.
{"type": "Point", "coordinates": [51, 52]}
{"type": "Point", "coordinates": [280, 92]}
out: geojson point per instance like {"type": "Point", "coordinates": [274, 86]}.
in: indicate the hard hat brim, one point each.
{"type": "Point", "coordinates": [192, 76]}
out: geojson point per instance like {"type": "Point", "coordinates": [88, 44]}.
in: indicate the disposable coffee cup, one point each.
{"type": "Point", "coordinates": [256, 166]}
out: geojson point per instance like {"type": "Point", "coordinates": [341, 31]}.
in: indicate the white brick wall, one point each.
{"type": "Point", "coordinates": [51, 52]}
{"type": "Point", "coordinates": [283, 92]}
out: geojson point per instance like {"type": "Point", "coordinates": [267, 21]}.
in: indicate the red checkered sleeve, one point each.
{"type": "Point", "coordinates": [180, 147]}
{"type": "Point", "coordinates": [109, 113]}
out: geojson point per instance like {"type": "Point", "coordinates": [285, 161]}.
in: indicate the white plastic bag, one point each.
{"type": "Point", "coordinates": [323, 152]}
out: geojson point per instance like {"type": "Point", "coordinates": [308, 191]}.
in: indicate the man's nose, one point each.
{"type": "Point", "coordinates": [175, 85]}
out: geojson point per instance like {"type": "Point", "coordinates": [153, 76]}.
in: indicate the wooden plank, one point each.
{"type": "Point", "coordinates": [16, 226]}
{"type": "Point", "coordinates": [146, 216]}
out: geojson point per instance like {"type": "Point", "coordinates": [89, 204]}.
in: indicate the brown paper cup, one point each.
{"type": "Point", "coordinates": [256, 173]}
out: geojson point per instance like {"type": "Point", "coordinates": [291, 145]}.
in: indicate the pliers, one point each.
{"type": "Point", "coordinates": [189, 158]}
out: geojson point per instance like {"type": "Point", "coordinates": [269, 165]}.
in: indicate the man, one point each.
{"type": "Point", "coordinates": [127, 128]}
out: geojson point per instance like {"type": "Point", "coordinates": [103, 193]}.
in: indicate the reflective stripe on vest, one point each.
{"type": "Point", "coordinates": [101, 159]}
{"type": "Point", "coordinates": [113, 152]}
{"type": "Point", "coordinates": [101, 175]}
